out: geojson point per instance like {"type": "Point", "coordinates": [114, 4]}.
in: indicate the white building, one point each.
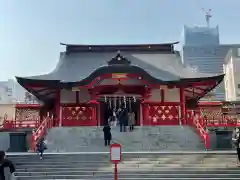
{"type": "Point", "coordinates": [11, 92]}
{"type": "Point", "coordinates": [232, 75]}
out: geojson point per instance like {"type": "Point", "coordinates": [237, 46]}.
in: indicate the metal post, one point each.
{"type": "Point", "coordinates": [115, 172]}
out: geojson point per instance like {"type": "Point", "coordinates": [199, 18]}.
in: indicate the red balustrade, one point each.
{"type": "Point", "coordinates": [196, 121]}
{"type": "Point", "coordinates": [40, 132]}
{"type": "Point", "coordinates": [19, 124]}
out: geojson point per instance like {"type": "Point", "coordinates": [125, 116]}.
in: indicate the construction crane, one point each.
{"type": "Point", "coordinates": [206, 13]}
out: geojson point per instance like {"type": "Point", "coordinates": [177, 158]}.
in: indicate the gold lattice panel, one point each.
{"type": "Point", "coordinates": [27, 114]}
{"type": "Point", "coordinates": [160, 114]}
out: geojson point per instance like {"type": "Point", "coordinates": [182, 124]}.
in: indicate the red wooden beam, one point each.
{"type": "Point", "coordinates": [160, 103]}
{"type": "Point", "coordinates": [199, 88]}
{"type": "Point", "coordinates": [35, 86]}
{"type": "Point", "coordinates": [109, 76]}
{"type": "Point", "coordinates": [28, 106]}
{"type": "Point", "coordinates": [212, 103]}
{"type": "Point", "coordinates": [203, 83]}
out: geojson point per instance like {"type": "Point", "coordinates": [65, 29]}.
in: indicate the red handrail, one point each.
{"type": "Point", "coordinates": [202, 132]}
{"type": "Point", "coordinates": [40, 132]}
{"type": "Point", "coordinates": [197, 122]}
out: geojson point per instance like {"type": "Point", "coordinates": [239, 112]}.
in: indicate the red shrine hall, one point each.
{"type": "Point", "coordinates": [149, 79]}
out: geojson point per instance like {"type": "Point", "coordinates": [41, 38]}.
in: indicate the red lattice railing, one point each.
{"type": "Point", "coordinates": [39, 127]}
{"type": "Point", "coordinates": [20, 124]}
{"type": "Point", "coordinates": [226, 121]}
{"type": "Point", "coordinates": [40, 132]}
{"type": "Point", "coordinates": [197, 122]}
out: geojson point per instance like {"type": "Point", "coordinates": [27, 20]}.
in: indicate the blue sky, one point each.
{"type": "Point", "coordinates": [31, 30]}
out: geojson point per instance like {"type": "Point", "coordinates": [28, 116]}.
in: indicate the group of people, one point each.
{"type": "Point", "coordinates": [124, 118]}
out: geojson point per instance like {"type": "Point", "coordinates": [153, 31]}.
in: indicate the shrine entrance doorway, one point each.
{"type": "Point", "coordinates": [114, 106]}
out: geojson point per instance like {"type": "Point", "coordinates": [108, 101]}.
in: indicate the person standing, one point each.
{"type": "Point", "coordinates": [123, 120]}
{"type": "Point", "coordinates": [236, 139]}
{"type": "Point", "coordinates": [6, 167]}
{"type": "Point", "coordinates": [107, 135]}
{"type": "Point", "coordinates": [41, 147]}
{"type": "Point", "coordinates": [131, 119]}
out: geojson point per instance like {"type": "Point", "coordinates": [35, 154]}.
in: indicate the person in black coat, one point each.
{"type": "Point", "coordinates": [41, 147]}
{"type": "Point", "coordinates": [123, 120]}
{"type": "Point", "coordinates": [107, 135]}
{"type": "Point", "coordinates": [5, 163]}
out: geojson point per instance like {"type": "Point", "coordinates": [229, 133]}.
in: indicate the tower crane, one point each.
{"type": "Point", "coordinates": [207, 13]}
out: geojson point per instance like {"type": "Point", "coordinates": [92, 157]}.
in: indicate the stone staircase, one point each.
{"type": "Point", "coordinates": [134, 166]}
{"type": "Point", "coordinates": [90, 139]}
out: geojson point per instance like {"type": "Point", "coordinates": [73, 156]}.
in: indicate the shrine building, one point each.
{"type": "Point", "coordinates": [149, 79]}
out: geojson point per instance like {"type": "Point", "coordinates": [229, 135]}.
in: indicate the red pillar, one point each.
{"type": "Point", "coordinates": [182, 106]}
{"type": "Point", "coordinates": [58, 106]}
{"type": "Point", "coordinates": [146, 120]}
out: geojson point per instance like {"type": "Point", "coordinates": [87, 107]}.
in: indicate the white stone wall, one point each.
{"type": "Point", "coordinates": [68, 96]}
{"type": "Point", "coordinates": [84, 96]}
{"type": "Point", "coordinates": [156, 96]}
{"type": "Point", "coordinates": [170, 95]}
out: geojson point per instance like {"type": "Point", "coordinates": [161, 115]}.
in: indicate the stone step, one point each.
{"type": "Point", "coordinates": [90, 139]}
{"type": "Point", "coordinates": [133, 166]}
{"type": "Point", "coordinates": [134, 175]}
{"type": "Point", "coordinates": [139, 172]}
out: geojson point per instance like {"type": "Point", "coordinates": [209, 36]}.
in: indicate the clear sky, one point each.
{"type": "Point", "coordinates": [31, 30]}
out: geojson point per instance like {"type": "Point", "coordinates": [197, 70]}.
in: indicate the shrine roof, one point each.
{"type": "Point", "coordinates": [80, 67]}
{"type": "Point", "coordinates": [77, 67]}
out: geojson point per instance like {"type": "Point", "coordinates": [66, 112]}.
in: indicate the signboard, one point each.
{"type": "Point", "coordinates": [115, 153]}
{"type": "Point", "coordinates": [75, 88]}
{"type": "Point", "coordinates": [119, 76]}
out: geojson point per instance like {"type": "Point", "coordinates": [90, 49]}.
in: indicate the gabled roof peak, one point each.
{"type": "Point", "coordinates": [119, 60]}
{"type": "Point", "coordinates": [165, 47]}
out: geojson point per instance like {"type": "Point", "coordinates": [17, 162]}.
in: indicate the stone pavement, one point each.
{"type": "Point", "coordinates": [141, 166]}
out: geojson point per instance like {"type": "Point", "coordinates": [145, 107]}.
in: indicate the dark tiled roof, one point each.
{"type": "Point", "coordinates": [75, 67]}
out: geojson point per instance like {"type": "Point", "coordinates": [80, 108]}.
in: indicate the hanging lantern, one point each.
{"type": "Point", "coordinates": [130, 105]}
{"type": "Point", "coordinates": [110, 103]}
{"type": "Point", "coordinates": [119, 102]}
{"type": "Point", "coordinates": [114, 103]}
{"type": "Point", "coordinates": [134, 99]}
